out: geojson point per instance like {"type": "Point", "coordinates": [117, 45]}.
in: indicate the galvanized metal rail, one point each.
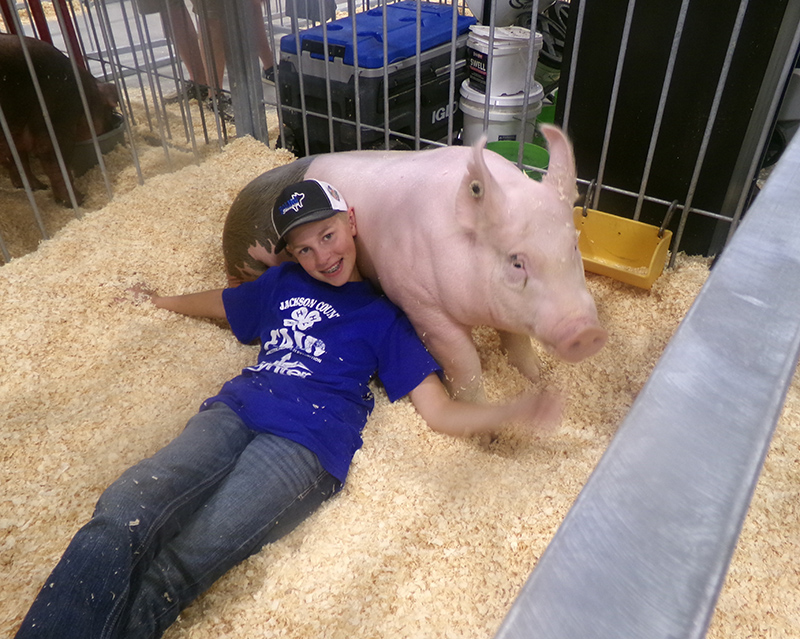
{"type": "Point", "coordinates": [645, 548]}
{"type": "Point", "coordinates": [136, 52]}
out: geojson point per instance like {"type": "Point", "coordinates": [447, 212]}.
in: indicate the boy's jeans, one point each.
{"type": "Point", "coordinates": [173, 524]}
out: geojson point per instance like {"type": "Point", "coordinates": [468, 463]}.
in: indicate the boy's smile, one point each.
{"type": "Point", "coordinates": [326, 249]}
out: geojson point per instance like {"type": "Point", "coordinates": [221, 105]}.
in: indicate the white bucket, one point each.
{"type": "Point", "coordinates": [509, 58]}
{"type": "Point", "coordinates": [505, 114]}
{"type": "Point", "coordinates": [505, 11]}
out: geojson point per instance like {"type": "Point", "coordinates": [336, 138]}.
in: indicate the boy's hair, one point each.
{"type": "Point", "coordinates": [304, 202]}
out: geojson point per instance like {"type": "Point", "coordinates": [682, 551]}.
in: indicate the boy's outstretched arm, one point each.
{"type": "Point", "coordinates": [540, 411]}
{"type": "Point", "coordinates": [206, 304]}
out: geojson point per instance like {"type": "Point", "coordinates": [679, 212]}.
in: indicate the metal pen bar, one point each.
{"type": "Point", "coordinates": [151, 70]}
{"type": "Point", "coordinates": [662, 102]}
{"type": "Point", "coordinates": [386, 115]}
{"type": "Point", "coordinates": [573, 64]}
{"type": "Point", "coordinates": [4, 250]}
{"type": "Point", "coordinates": [149, 64]}
{"type": "Point", "coordinates": [207, 53]}
{"type": "Point", "coordinates": [301, 83]}
{"type": "Point", "coordinates": [88, 21]}
{"type": "Point", "coordinates": [645, 548]}
{"type": "Point", "coordinates": [367, 127]}
{"type": "Point", "coordinates": [39, 20]}
{"type": "Point", "coordinates": [108, 40]}
{"type": "Point", "coordinates": [78, 37]}
{"type": "Point", "coordinates": [612, 107]}
{"type": "Point", "coordinates": [712, 118]}
{"type": "Point", "coordinates": [418, 79]}
{"type": "Point", "coordinates": [276, 69]}
{"type": "Point", "coordinates": [351, 7]}
{"type": "Point", "coordinates": [34, 31]}
{"type": "Point", "coordinates": [5, 13]}
{"type": "Point", "coordinates": [68, 31]}
{"type": "Point", "coordinates": [134, 51]}
{"type": "Point", "coordinates": [84, 101]}
{"type": "Point", "coordinates": [244, 75]}
{"type": "Point", "coordinates": [284, 11]}
{"type": "Point", "coordinates": [530, 68]}
{"type": "Point", "coordinates": [450, 109]}
{"type": "Point", "coordinates": [180, 84]}
{"type": "Point", "coordinates": [489, 61]}
{"type": "Point", "coordinates": [784, 56]}
{"type": "Point", "coordinates": [656, 200]}
{"type": "Point", "coordinates": [25, 182]}
{"type": "Point", "coordinates": [328, 96]}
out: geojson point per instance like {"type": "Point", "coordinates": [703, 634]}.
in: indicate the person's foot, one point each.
{"type": "Point", "coordinates": [269, 75]}
{"type": "Point", "coordinates": [189, 90]}
{"type": "Point", "coordinates": [224, 106]}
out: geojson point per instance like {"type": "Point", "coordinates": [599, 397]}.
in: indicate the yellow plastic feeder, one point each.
{"type": "Point", "coordinates": [623, 249]}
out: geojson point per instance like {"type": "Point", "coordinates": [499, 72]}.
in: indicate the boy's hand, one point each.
{"type": "Point", "coordinates": [204, 304]}
{"type": "Point", "coordinates": [539, 412]}
{"type": "Point", "coordinates": [138, 294]}
{"type": "Point", "coordinates": [141, 293]}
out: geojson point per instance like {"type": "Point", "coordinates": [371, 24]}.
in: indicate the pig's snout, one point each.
{"type": "Point", "coordinates": [580, 343]}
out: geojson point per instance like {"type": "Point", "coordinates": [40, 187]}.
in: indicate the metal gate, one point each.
{"type": "Point", "coordinates": [317, 99]}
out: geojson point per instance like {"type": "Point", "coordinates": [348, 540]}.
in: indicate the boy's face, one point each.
{"type": "Point", "coordinates": [327, 249]}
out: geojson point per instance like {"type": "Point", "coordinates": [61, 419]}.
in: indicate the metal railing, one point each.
{"type": "Point", "coordinates": [329, 112]}
{"type": "Point", "coordinates": [645, 548]}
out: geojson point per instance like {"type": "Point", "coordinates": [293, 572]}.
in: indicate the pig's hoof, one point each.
{"type": "Point", "coordinates": [486, 440]}
{"type": "Point", "coordinates": [65, 201]}
{"type": "Point", "coordinates": [36, 185]}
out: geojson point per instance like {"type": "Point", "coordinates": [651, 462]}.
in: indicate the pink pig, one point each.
{"type": "Point", "coordinates": [457, 237]}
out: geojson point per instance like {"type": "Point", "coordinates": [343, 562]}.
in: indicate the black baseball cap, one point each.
{"type": "Point", "coordinates": [304, 202]}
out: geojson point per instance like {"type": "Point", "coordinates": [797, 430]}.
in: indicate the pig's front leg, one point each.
{"type": "Point", "coordinates": [57, 182]}
{"type": "Point", "coordinates": [520, 353]}
{"type": "Point", "coordinates": [13, 173]}
{"type": "Point", "coordinates": [452, 347]}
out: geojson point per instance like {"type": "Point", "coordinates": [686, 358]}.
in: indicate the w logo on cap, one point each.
{"type": "Point", "coordinates": [302, 203]}
{"type": "Point", "coordinates": [293, 204]}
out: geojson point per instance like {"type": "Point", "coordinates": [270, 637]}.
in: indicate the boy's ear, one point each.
{"type": "Point", "coordinates": [351, 220]}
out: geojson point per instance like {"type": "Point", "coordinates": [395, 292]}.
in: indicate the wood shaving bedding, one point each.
{"type": "Point", "coordinates": [431, 537]}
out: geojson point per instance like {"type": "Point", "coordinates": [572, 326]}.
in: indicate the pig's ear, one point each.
{"type": "Point", "coordinates": [479, 199]}
{"type": "Point", "coordinates": [561, 173]}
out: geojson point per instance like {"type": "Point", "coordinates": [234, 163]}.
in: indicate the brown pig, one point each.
{"type": "Point", "coordinates": [26, 122]}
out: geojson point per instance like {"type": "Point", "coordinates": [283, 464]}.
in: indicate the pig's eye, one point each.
{"type": "Point", "coordinates": [517, 274]}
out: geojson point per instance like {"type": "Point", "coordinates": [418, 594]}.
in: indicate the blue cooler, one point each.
{"type": "Point", "coordinates": [401, 18]}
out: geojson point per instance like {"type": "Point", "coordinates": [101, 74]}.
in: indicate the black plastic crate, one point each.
{"type": "Point", "coordinates": [436, 100]}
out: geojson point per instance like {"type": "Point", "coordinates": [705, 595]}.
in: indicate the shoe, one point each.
{"type": "Point", "coordinates": [269, 75]}
{"type": "Point", "coordinates": [224, 106]}
{"type": "Point", "coordinates": [189, 91]}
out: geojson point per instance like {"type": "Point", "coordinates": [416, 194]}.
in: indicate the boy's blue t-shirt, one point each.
{"type": "Point", "coordinates": [320, 346]}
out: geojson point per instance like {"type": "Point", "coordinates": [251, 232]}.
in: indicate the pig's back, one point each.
{"type": "Point", "coordinates": [56, 80]}
{"type": "Point", "coordinates": [404, 183]}
{"type": "Point", "coordinates": [405, 215]}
